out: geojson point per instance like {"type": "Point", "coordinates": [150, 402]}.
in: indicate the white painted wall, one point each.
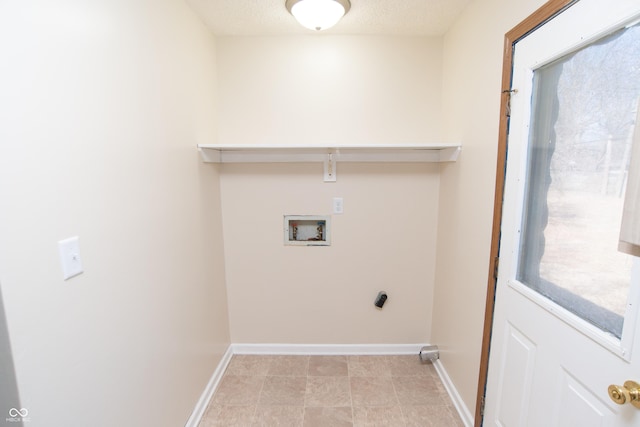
{"type": "Point", "coordinates": [102, 105]}
{"type": "Point", "coordinates": [329, 89]}
{"type": "Point", "coordinates": [385, 240]}
{"type": "Point", "coordinates": [352, 90]}
{"type": "Point", "coordinates": [471, 92]}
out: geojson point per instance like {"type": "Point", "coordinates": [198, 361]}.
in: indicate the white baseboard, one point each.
{"type": "Point", "coordinates": [327, 349]}
{"type": "Point", "coordinates": [212, 385]}
{"type": "Point", "coordinates": [463, 411]}
{"type": "Point", "coordinates": [323, 349]}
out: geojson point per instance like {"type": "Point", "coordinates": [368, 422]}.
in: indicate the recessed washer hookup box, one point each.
{"type": "Point", "coordinates": [307, 230]}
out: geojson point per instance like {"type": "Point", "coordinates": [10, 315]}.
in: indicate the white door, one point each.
{"type": "Point", "coordinates": [566, 312]}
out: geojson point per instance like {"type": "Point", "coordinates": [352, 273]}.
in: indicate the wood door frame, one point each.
{"type": "Point", "coordinates": [538, 18]}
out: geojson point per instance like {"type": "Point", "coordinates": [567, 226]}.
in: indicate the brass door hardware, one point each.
{"type": "Point", "coordinates": [630, 392]}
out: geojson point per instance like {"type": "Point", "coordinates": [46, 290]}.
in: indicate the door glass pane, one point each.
{"type": "Point", "coordinates": [582, 124]}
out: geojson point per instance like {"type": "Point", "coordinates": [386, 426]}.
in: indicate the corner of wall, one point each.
{"type": "Point", "coordinates": [471, 97]}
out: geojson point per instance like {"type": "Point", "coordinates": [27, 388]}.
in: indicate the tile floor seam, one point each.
{"type": "Point", "coordinates": [404, 418]}
{"type": "Point", "coordinates": [254, 418]}
{"type": "Point", "coordinates": [353, 411]}
{"type": "Point", "coordinates": [304, 401]}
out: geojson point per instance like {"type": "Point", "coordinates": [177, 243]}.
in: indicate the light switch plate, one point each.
{"type": "Point", "coordinates": [70, 257]}
{"type": "Point", "coordinates": [338, 205]}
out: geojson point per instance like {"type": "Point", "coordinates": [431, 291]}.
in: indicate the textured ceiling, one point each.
{"type": "Point", "coordinates": [387, 17]}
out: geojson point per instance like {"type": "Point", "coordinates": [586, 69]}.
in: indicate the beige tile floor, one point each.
{"type": "Point", "coordinates": [330, 391]}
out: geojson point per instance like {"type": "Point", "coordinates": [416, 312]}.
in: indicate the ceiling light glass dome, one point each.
{"type": "Point", "coordinates": [318, 15]}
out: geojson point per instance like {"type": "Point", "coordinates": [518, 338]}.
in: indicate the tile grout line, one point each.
{"type": "Point", "coordinates": [395, 392]}
{"type": "Point", "coordinates": [353, 409]}
{"type": "Point", "coordinates": [306, 384]}
{"type": "Point", "coordinates": [255, 411]}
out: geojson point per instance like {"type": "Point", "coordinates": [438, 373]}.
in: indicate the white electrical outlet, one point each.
{"type": "Point", "coordinates": [70, 257]}
{"type": "Point", "coordinates": [338, 205]}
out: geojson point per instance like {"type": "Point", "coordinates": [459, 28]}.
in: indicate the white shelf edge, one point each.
{"type": "Point", "coordinates": [438, 152]}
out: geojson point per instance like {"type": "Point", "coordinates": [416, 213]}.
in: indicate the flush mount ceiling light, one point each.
{"type": "Point", "coordinates": [318, 14]}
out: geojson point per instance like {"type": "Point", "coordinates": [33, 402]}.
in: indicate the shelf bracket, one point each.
{"type": "Point", "coordinates": [330, 168]}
